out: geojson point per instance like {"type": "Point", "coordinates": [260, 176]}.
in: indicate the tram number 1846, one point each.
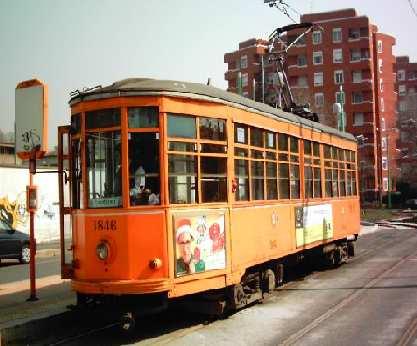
{"type": "Point", "coordinates": [105, 225]}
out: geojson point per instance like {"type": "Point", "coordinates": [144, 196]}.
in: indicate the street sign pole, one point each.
{"type": "Point", "coordinates": [31, 105]}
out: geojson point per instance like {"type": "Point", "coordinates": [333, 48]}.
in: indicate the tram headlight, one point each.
{"type": "Point", "coordinates": [102, 250]}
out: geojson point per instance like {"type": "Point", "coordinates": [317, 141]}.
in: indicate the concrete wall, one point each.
{"type": "Point", "coordinates": [13, 183]}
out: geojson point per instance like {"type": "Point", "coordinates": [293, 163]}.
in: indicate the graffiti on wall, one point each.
{"type": "Point", "coordinates": [13, 213]}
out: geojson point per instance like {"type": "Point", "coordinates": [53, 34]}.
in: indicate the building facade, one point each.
{"type": "Point", "coordinates": [343, 60]}
{"type": "Point", "coordinates": [406, 88]}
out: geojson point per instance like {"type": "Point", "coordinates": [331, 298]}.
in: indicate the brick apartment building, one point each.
{"type": "Point", "coordinates": [346, 50]}
{"type": "Point", "coordinates": [406, 88]}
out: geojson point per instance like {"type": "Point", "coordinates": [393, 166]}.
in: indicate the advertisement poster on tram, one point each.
{"type": "Point", "coordinates": [199, 242]}
{"type": "Point", "coordinates": [313, 223]}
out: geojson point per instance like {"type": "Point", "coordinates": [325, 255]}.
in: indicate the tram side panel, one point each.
{"type": "Point", "coordinates": [346, 215]}
{"type": "Point", "coordinates": [260, 233]}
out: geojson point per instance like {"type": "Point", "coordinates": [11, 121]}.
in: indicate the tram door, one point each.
{"type": "Point", "coordinates": [64, 181]}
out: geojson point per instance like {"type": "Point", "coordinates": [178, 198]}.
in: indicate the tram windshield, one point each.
{"type": "Point", "coordinates": [104, 169]}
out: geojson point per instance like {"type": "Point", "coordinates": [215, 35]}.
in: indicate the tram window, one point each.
{"type": "Point", "coordinates": [283, 142]}
{"type": "Point", "coordinates": [284, 192]}
{"type": "Point", "coordinates": [328, 183]}
{"type": "Point", "coordinates": [342, 183]}
{"type": "Point", "coordinates": [257, 177]}
{"type": "Point", "coordinates": [256, 137]}
{"type": "Point", "coordinates": [182, 146]}
{"type": "Point", "coordinates": [317, 182]}
{"type": "Point", "coordinates": [308, 182]}
{"type": "Point", "coordinates": [143, 117]}
{"type": "Point", "coordinates": [316, 149]}
{"type": "Point", "coordinates": [103, 118]}
{"type": "Point", "coordinates": [213, 148]}
{"type": "Point", "coordinates": [241, 134]}
{"type": "Point", "coordinates": [213, 129]}
{"type": "Point", "coordinates": [242, 180]}
{"type": "Point", "coordinates": [144, 182]}
{"type": "Point", "coordinates": [307, 147]}
{"type": "Point", "coordinates": [182, 179]}
{"type": "Point", "coordinates": [241, 152]}
{"type": "Point", "coordinates": [349, 183]}
{"type": "Point", "coordinates": [76, 175]}
{"type": "Point", "coordinates": [327, 152]}
{"type": "Point", "coordinates": [257, 154]}
{"type": "Point", "coordinates": [213, 179]}
{"type": "Point", "coordinates": [335, 184]}
{"type": "Point", "coordinates": [75, 124]}
{"type": "Point", "coordinates": [104, 169]}
{"type": "Point", "coordinates": [271, 180]}
{"type": "Point", "coordinates": [181, 126]}
{"type": "Point", "coordinates": [293, 144]}
{"type": "Point", "coordinates": [294, 181]}
{"type": "Point", "coordinates": [270, 140]}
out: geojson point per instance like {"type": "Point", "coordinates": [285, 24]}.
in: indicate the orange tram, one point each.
{"type": "Point", "coordinates": [170, 189]}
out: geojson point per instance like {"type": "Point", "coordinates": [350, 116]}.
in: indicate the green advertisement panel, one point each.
{"type": "Point", "coordinates": [313, 223]}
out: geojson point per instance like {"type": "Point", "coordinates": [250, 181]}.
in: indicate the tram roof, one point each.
{"type": "Point", "coordinates": [154, 87]}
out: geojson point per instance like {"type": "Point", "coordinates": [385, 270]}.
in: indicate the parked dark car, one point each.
{"type": "Point", "coordinates": [13, 244]}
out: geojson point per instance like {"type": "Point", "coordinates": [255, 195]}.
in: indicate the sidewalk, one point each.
{"type": "Point", "coordinates": [54, 296]}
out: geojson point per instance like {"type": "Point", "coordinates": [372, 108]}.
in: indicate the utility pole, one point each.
{"type": "Point", "coordinates": [389, 176]}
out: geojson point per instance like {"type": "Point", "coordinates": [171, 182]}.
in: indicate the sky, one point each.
{"type": "Point", "coordinates": [74, 44]}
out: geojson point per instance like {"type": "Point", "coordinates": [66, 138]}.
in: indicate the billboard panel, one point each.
{"type": "Point", "coordinates": [313, 223]}
{"type": "Point", "coordinates": [199, 241]}
{"type": "Point", "coordinates": [30, 116]}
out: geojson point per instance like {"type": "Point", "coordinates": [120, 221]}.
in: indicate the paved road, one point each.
{"type": "Point", "coordinates": [11, 270]}
{"type": "Point", "coordinates": [370, 300]}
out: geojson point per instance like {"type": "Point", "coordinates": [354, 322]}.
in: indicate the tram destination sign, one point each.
{"type": "Point", "coordinates": [31, 113]}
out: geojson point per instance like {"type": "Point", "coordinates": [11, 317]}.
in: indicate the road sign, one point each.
{"type": "Point", "coordinates": [31, 115]}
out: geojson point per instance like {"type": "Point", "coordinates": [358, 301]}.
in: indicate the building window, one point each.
{"type": "Point", "coordinates": [357, 97]}
{"type": "Point", "coordinates": [318, 78]}
{"type": "Point", "coordinates": [337, 35]}
{"type": "Point", "coordinates": [402, 106]}
{"type": "Point", "coordinates": [302, 81]}
{"type": "Point", "coordinates": [401, 75]}
{"type": "Point", "coordinates": [380, 65]}
{"type": "Point", "coordinates": [244, 80]}
{"type": "Point", "coordinates": [381, 85]}
{"type": "Point", "coordinates": [383, 124]}
{"type": "Point", "coordinates": [337, 55]}
{"type": "Point", "coordinates": [319, 99]}
{"type": "Point", "coordinates": [384, 143]}
{"type": "Point", "coordinates": [382, 104]}
{"type": "Point", "coordinates": [355, 55]}
{"type": "Point", "coordinates": [317, 37]}
{"type": "Point", "coordinates": [354, 34]}
{"type": "Point", "coordinates": [338, 77]}
{"type": "Point", "coordinates": [358, 119]}
{"type": "Point", "coordinates": [402, 90]}
{"type": "Point", "coordinates": [318, 58]}
{"type": "Point", "coordinates": [379, 46]}
{"type": "Point", "coordinates": [340, 97]}
{"type": "Point", "coordinates": [357, 76]}
{"type": "Point", "coordinates": [385, 184]}
{"type": "Point", "coordinates": [384, 163]}
{"type": "Point", "coordinates": [301, 60]}
{"type": "Point", "coordinates": [244, 61]}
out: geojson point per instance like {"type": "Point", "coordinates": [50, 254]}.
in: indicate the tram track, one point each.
{"type": "Point", "coordinates": [170, 330]}
{"type": "Point", "coordinates": [407, 336]}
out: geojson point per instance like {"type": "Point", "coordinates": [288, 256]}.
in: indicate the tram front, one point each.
{"type": "Point", "coordinates": [112, 219]}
